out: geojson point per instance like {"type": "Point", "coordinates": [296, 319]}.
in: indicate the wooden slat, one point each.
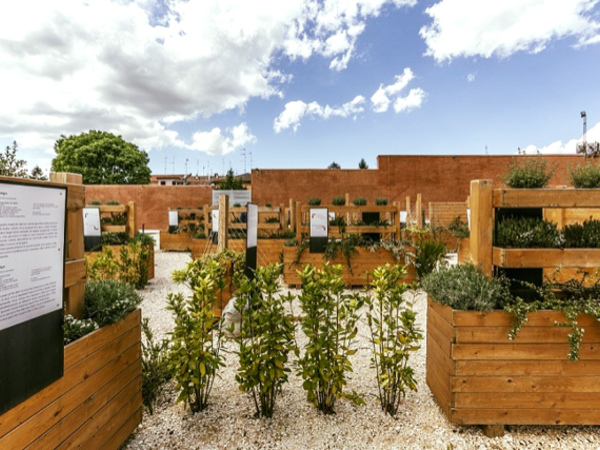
{"type": "Point", "coordinates": [504, 319]}
{"type": "Point", "coordinates": [117, 439]}
{"type": "Point", "coordinates": [526, 400]}
{"type": "Point", "coordinates": [114, 228]}
{"type": "Point", "coordinates": [526, 384]}
{"type": "Point", "coordinates": [482, 221]}
{"type": "Point", "coordinates": [521, 351]}
{"type": "Point", "coordinates": [527, 367]}
{"type": "Point", "coordinates": [499, 335]}
{"type": "Point", "coordinates": [435, 334]}
{"type": "Point", "coordinates": [435, 321]}
{"type": "Point", "coordinates": [75, 272]}
{"type": "Point", "coordinates": [546, 198]}
{"type": "Point", "coordinates": [526, 416]}
{"type": "Point", "coordinates": [110, 208]}
{"type": "Point", "coordinates": [439, 354]}
{"type": "Point", "coordinates": [540, 257]}
{"type": "Point", "coordinates": [444, 311]}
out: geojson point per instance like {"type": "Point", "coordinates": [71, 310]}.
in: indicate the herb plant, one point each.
{"type": "Point", "coordinates": [586, 176]}
{"type": "Point", "coordinates": [338, 201]}
{"type": "Point", "coordinates": [527, 172]}
{"type": "Point", "coordinates": [74, 329]}
{"type": "Point", "coordinates": [155, 367]}
{"type": "Point", "coordinates": [394, 336]}
{"type": "Point", "coordinates": [359, 201]}
{"type": "Point", "coordinates": [381, 201]}
{"type": "Point", "coordinates": [330, 324]}
{"type": "Point", "coordinates": [528, 232]}
{"type": "Point", "coordinates": [583, 235]}
{"type": "Point", "coordinates": [314, 201]}
{"type": "Point", "coordinates": [428, 254]}
{"type": "Point", "coordinates": [109, 301]}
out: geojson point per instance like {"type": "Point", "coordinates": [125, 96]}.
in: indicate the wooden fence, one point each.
{"type": "Point", "coordinates": [127, 212]}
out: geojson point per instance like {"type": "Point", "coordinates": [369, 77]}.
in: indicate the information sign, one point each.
{"type": "Point", "coordinates": [319, 229]}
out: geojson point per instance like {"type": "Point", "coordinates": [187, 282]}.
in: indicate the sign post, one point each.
{"type": "Point", "coordinates": [92, 231]}
{"type": "Point", "coordinates": [319, 229]}
{"type": "Point", "coordinates": [251, 239]}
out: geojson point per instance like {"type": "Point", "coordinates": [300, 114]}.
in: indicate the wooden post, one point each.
{"type": "Point", "coordinates": [396, 217]}
{"type": "Point", "coordinates": [281, 218]}
{"type": "Point", "coordinates": [408, 213]}
{"type": "Point", "coordinates": [430, 214]}
{"type": "Point", "coordinates": [419, 212]}
{"type": "Point", "coordinates": [482, 223]}
{"type": "Point", "coordinates": [132, 219]}
{"type": "Point", "coordinates": [299, 223]}
{"type": "Point", "coordinates": [556, 215]}
{"type": "Point", "coordinates": [348, 218]}
{"type": "Point", "coordinates": [223, 222]}
{"type": "Point", "coordinates": [74, 252]}
{"type": "Point", "coordinates": [292, 216]}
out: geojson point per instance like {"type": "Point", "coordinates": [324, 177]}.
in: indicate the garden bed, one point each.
{"type": "Point", "coordinates": [96, 404]}
{"type": "Point", "coordinates": [116, 251]}
{"type": "Point", "coordinates": [479, 377]}
{"type": "Point", "coordinates": [268, 251]}
{"type": "Point", "coordinates": [180, 242]}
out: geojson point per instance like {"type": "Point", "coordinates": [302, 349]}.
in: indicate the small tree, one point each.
{"type": "Point", "coordinates": [363, 164]}
{"type": "Point", "coordinates": [334, 165]}
{"type": "Point", "coordinates": [10, 166]}
{"type": "Point", "coordinates": [230, 182]}
{"type": "Point", "coordinates": [37, 174]}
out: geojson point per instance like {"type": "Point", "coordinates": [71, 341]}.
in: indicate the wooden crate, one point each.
{"type": "Point", "coordinates": [362, 263]}
{"type": "Point", "coordinates": [479, 377]}
{"type": "Point", "coordinates": [96, 404]}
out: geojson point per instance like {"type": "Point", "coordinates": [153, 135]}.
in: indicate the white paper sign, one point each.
{"type": "Point", "coordinates": [215, 220]}
{"type": "Point", "coordinates": [91, 222]}
{"type": "Point", "coordinates": [403, 216]}
{"type": "Point", "coordinates": [252, 225]}
{"type": "Point", "coordinates": [319, 222]}
{"type": "Point", "coordinates": [173, 218]}
{"type": "Point", "coordinates": [32, 259]}
{"type": "Point", "coordinates": [469, 218]}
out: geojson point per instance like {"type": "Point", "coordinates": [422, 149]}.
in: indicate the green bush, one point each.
{"type": "Point", "coordinates": [95, 203]}
{"type": "Point", "coordinates": [113, 202]}
{"type": "Point", "coordinates": [528, 232]}
{"type": "Point", "coordinates": [381, 201]}
{"type": "Point", "coordinates": [527, 172]}
{"type": "Point", "coordinates": [109, 301]}
{"type": "Point", "coordinates": [583, 235]}
{"type": "Point", "coordinates": [76, 328]}
{"type": "Point", "coordinates": [196, 339]}
{"type": "Point", "coordinates": [330, 325]}
{"type": "Point", "coordinates": [266, 338]}
{"type": "Point", "coordinates": [428, 254]}
{"type": "Point", "coordinates": [459, 228]}
{"type": "Point", "coordinates": [465, 287]}
{"type": "Point", "coordinates": [143, 239]}
{"type": "Point", "coordinates": [338, 201]}
{"type": "Point", "coordinates": [586, 176]}
{"type": "Point", "coordinates": [132, 266]}
{"type": "Point", "coordinates": [155, 367]}
{"type": "Point", "coordinates": [314, 201]}
{"type": "Point", "coordinates": [359, 201]}
{"type": "Point", "coordinates": [394, 336]}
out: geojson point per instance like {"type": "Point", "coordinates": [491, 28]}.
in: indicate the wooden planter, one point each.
{"type": "Point", "coordinates": [546, 257]}
{"type": "Point", "coordinates": [181, 242]}
{"type": "Point", "coordinates": [269, 250]}
{"type": "Point", "coordinates": [116, 251]}
{"type": "Point", "coordinates": [479, 377]}
{"type": "Point", "coordinates": [362, 263]}
{"type": "Point", "coordinates": [96, 404]}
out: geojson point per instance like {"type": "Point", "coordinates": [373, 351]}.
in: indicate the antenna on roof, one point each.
{"type": "Point", "coordinates": [584, 117]}
{"type": "Point", "coordinates": [244, 155]}
{"type": "Point", "coordinates": [165, 165]}
{"type": "Point", "coordinates": [486, 150]}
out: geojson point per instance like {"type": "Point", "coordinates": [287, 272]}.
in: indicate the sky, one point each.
{"type": "Point", "coordinates": [218, 84]}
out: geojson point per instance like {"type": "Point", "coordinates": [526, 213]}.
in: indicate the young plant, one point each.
{"type": "Point", "coordinates": [526, 173]}
{"type": "Point", "coordinates": [196, 338]}
{"type": "Point", "coordinates": [394, 336]}
{"type": "Point", "coordinates": [381, 201]}
{"type": "Point", "coordinates": [586, 176]}
{"type": "Point", "coordinates": [134, 264]}
{"type": "Point", "coordinates": [330, 325]}
{"type": "Point", "coordinates": [265, 340]}
{"type": "Point", "coordinates": [109, 301]}
{"type": "Point", "coordinates": [155, 367]}
{"type": "Point", "coordinates": [359, 201]}
{"type": "Point", "coordinates": [338, 201]}
{"type": "Point", "coordinates": [428, 254]}
{"type": "Point", "coordinates": [314, 201]}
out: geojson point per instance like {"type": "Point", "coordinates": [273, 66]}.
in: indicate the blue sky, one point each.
{"type": "Point", "coordinates": [300, 83]}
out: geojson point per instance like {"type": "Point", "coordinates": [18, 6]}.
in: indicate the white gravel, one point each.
{"type": "Point", "coordinates": [229, 421]}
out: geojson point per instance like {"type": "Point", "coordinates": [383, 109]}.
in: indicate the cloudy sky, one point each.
{"type": "Point", "coordinates": [299, 83]}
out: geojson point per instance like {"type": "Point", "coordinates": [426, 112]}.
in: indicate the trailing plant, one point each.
{"type": "Point", "coordinates": [303, 246]}
{"type": "Point", "coordinates": [381, 201]}
{"type": "Point", "coordinates": [74, 329]}
{"type": "Point", "coordinates": [528, 172]}
{"type": "Point", "coordinates": [465, 287]}
{"type": "Point", "coordinates": [196, 339]}
{"type": "Point", "coordinates": [428, 254]}
{"type": "Point", "coordinates": [155, 367]}
{"type": "Point", "coordinates": [528, 232]}
{"type": "Point", "coordinates": [111, 238]}
{"type": "Point", "coordinates": [314, 201]}
{"type": "Point", "coordinates": [339, 222]}
{"type": "Point", "coordinates": [109, 301]}
{"type": "Point", "coordinates": [265, 340]}
{"type": "Point", "coordinates": [582, 235]}
{"type": "Point", "coordinates": [394, 336]}
{"type": "Point", "coordinates": [359, 201]}
{"type": "Point", "coordinates": [330, 325]}
{"type": "Point", "coordinates": [586, 176]}
{"type": "Point", "coordinates": [338, 201]}
{"type": "Point", "coordinates": [346, 246]}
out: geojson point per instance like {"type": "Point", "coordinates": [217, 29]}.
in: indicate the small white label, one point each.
{"type": "Point", "coordinates": [91, 222]}
{"type": "Point", "coordinates": [319, 222]}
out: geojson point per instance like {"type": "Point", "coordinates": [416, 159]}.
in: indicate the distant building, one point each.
{"type": "Point", "coordinates": [193, 180]}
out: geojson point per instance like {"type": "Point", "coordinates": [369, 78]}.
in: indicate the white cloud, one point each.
{"type": "Point", "coordinates": [570, 147]}
{"type": "Point", "coordinates": [296, 110]}
{"type": "Point", "coordinates": [137, 67]}
{"type": "Point", "coordinates": [471, 77]}
{"type": "Point", "coordinates": [383, 97]}
{"type": "Point", "coordinates": [214, 142]}
{"type": "Point", "coordinates": [464, 28]}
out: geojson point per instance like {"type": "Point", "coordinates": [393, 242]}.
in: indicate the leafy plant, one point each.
{"type": "Point", "coordinates": [272, 220]}
{"type": "Point", "coordinates": [196, 340]}
{"type": "Point", "coordinates": [268, 205]}
{"type": "Point", "coordinates": [314, 201]}
{"type": "Point", "coordinates": [330, 325]}
{"type": "Point", "coordinates": [583, 235]}
{"type": "Point", "coordinates": [465, 287]}
{"type": "Point", "coordinates": [143, 239]}
{"type": "Point", "coordinates": [338, 201]}
{"type": "Point", "coordinates": [394, 336]}
{"type": "Point", "coordinates": [586, 176]}
{"type": "Point", "coordinates": [528, 232]}
{"type": "Point", "coordinates": [95, 203]}
{"type": "Point", "coordinates": [346, 245]}
{"type": "Point", "coordinates": [111, 238]}
{"type": "Point", "coordinates": [74, 329]}
{"type": "Point", "coordinates": [109, 301]}
{"type": "Point", "coordinates": [428, 254]}
{"type": "Point", "coordinates": [381, 201]}
{"type": "Point", "coordinates": [527, 172]}
{"type": "Point", "coordinates": [359, 201]}
{"type": "Point", "coordinates": [113, 202]}
{"type": "Point", "coordinates": [104, 266]}
{"type": "Point", "coordinates": [230, 182]}
{"type": "Point", "coordinates": [266, 338]}
{"type": "Point", "coordinates": [459, 228]}
{"type": "Point", "coordinates": [134, 264]}
{"type": "Point", "coordinates": [155, 367]}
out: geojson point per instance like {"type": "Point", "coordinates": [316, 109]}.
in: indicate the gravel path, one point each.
{"type": "Point", "coordinates": [229, 421]}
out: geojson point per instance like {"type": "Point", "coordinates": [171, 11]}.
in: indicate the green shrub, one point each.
{"type": "Point", "coordinates": [111, 238]}
{"type": "Point", "coordinates": [200, 235]}
{"type": "Point", "coordinates": [109, 301]}
{"type": "Point", "coordinates": [134, 264]}
{"type": "Point", "coordinates": [381, 201]}
{"type": "Point", "coordinates": [143, 239]}
{"type": "Point", "coordinates": [459, 228]}
{"type": "Point", "coordinates": [359, 201]}
{"type": "Point", "coordinates": [528, 232]}
{"type": "Point", "coordinates": [95, 203]}
{"type": "Point", "coordinates": [196, 340]}
{"type": "Point", "coordinates": [155, 367]}
{"type": "Point", "coordinates": [338, 201]}
{"type": "Point", "coordinates": [237, 205]}
{"type": "Point", "coordinates": [586, 176]}
{"type": "Point", "coordinates": [394, 336]}
{"type": "Point", "coordinates": [583, 235]}
{"type": "Point", "coordinates": [272, 220]}
{"type": "Point", "coordinates": [330, 325]}
{"type": "Point", "coordinates": [268, 205]}
{"type": "Point", "coordinates": [428, 254]}
{"type": "Point", "coordinates": [113, 202]}
{"type": "Point", "coordinates": [314, 201]}
{"type": "Point", "coordinates": [527, 172]}
{"type": "Point", "coordinates": [465, 287]}
{"type": "Point", "coordinates": [76, 328]}
{"type": "Point", "coordinates": [266, 338]}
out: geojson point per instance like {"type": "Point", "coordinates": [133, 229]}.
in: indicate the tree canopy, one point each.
{"type": "Point", "coordinates": [363, 164]}
{"type": "Point", "coordinates": [334, 165]}
{"type": "Point", "coordinates": [230, 182]}
{"type": "Point", "coordinates": [102, 158]}
{"type": "Point", "coordinates": [10, 165]}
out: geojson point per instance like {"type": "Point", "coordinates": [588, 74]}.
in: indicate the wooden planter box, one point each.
{"type": "Point", "coordinates": [479, 377]}
{"type": "Point", "coordinates": [546, 257]}
{"type": "Point", "coordinates": [269, 250]}
{"type": "Point", "coordinates": [96, 404]}
{"type": "Point", "coordinates": [181, 242]}
{"type": "Point", "coordinates": [361, 264]}
{"type": "Point", "coordinates": [116, 251]}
